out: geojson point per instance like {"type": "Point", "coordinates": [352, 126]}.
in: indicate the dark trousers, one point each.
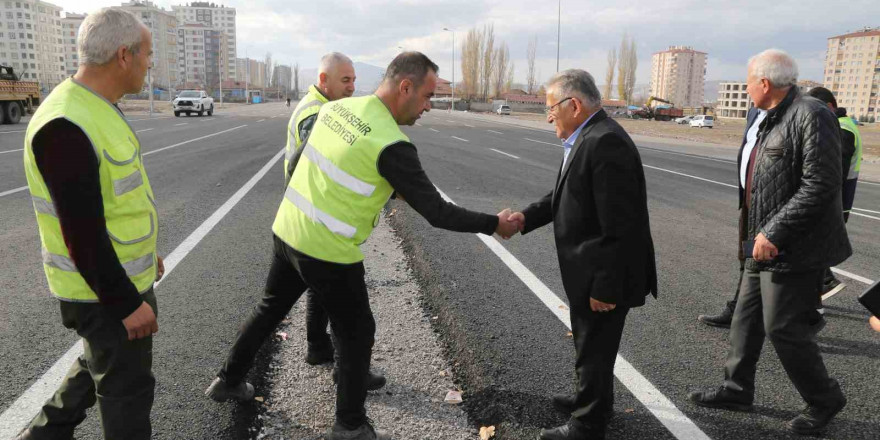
{"type": "Point", "coordinates": [780, 306]}
{"type": "Point", "coordinates": [596, 341]}
{"type": "Point", "coordinates": [113, 371]}
{"type": "Point", "coordinates": [339, 290]}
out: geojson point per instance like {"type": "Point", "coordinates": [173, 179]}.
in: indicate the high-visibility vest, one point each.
{"type": "Point", "coordinates": [334, 198]}
{"type": "Point", "coordinates": [307, 106]}
{"type": "Point", "coordinates": [855, 166]}
{"type": "Point", "coordinates": [129, 207]}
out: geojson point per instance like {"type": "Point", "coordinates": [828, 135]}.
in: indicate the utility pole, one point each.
{"type": "Point", "coordinates": [453, 68]}
{"type": "Point", "coordinates": [220, 71]}
{"type": "Point", "coordinates": [558, 29]}
{"type": "Point", "coordinates": [150, 80]}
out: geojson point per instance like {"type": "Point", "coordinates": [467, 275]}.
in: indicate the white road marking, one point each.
{"type": "Point", "coordinates": [193, 140]}
{"type": "Point", "coordinates": [11, 151]}
{"type": "Point", "coordinates": [435, 131]}
{"type": "Point", "coordinates": [469, 126]}
{"type": "Point", "coordinates": [695, 156]}
{"type": "Point", "coordinates": [493, 131]}
{"type": "Point", "coordinates": [12, 191]}
{"type": "Point", "coordinates": [692, 177]}
{"type": "Point", "coordinates": [506, 154]}
{"type": "Point", "coordinates": [26, 407]}
{"type": "Point", "coordinates": [149, 119]}
{"type": "Point", "coordinates": [542, 142]}
{"type": "Point", "coordinates": [867, 210]}
{"type": "Point", "coordinates": [146, 129]}
{"type": "Point", "coordinates": [661, 407]}
{"type": "Point", "coordinates": [861, 181]}
{"type": "Point", "coordinates": [182, 123]}
{"type": "Point", "coordinates": [261, 120]}
{"type": "Point", "coordinates": [852, 276]}
{"type": "Point", "coordinates": [864, 215]}
{"type": "Point", "coordinates": [463, 140]}
{"type": "Point", "coordinates": [418, 124]}
{"type": "Point", "coordinates": [452, 122]}
{"type": "Point", "coordinates": [16, 131]}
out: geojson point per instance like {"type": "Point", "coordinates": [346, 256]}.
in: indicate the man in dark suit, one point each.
{"type": "Point", "coordinates": [599, 212]}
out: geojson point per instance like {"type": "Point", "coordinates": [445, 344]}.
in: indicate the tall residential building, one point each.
{"type": "Point", "coordinates": [221, 19]}
{"type": "Point", "coordinates": [282, 77]}
{"type": "Point", "coordinates": [733, 100]}
{"type": "Point", "coordinates": [253, 71]}
{"type": "Point", "coordinates": [852, 71]}
{"type": "Point", "coordinates": [69, 31]}
{"type": "Point", "coordinates": [678, 74]}
{"type": "Point", "coordinates": [30, 41]}
{"type": "Point", "coordinates": [163, 27]}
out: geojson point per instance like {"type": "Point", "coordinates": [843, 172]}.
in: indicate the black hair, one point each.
{"type": "Point", "coordinates": [823, 94]}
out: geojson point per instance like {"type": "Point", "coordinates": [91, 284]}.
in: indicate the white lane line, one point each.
{"type": "Point", "coordinates": [864, 215]}
{"type": "Point", "coordinates": [469, 126]}
{"type": "Point", "coordinates": [17, 131]}
{"type": "Point", "coordinates": [26, 407]}
{"type": "Point", "coordinates": [493, 131]}
{"type": "Point", "coordinates": [694, 156]}
{"type": "Point", "coordinates": [418, 124]}
{"type": "Point", "coordinates": [148, 119]}
{"type": "Point", "coordinates": [12, 191]}
{"type": "Point", "coordinates": [182, 123]}
{"type": "Point", "coordinates": [506, 154]}
{"type": "Point", "coordinates": [542, 142]}
{"type": "Point", "coordinates": [861, 181]}
{"type": "Point", "coordinates": [261, 120]}
{"type": "Point", "coordinates": [463, 140]}
{"type": "Point", "coordinates": [692, 177]}
{"type": "Point", "coordinates": [451, 122]}
{"type": "Point", "coordinates": [663, 409]}
{"type": "Point", "coordinates": [852, 276]}
{"type": "Point", "coordinates": [273, 117]}
{"type": "Point", "coordinates": [435, 131]}
{"type": "Point", "coordinates": [867, 210]}
{"type": "Point", "coordinates": [146, 129]}
{"type": "Point", "coordinates": [193, 140]}
{"type": "Point", "coordinates": [11, 151]}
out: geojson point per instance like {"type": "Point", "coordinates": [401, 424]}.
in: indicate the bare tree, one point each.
{"type": "Point", "coordinates": [531, 79]}
{"type": "Point", "coordinates": [631, 69]}
{"type": "Point", "coordinates": [508, 83]}
{"type": "Point", "coordinates": [502, 64]}
{"type": "Point", "coordinates": [487, 65]}
{"type": "Point", "coordinates": [295, 81]}
{"type": "Point", "coordinates": [267, 75]}
{"type": "Point", "coordinates": [609, 73]}
{"type": "Point", "coordinates": [626, 68]}
{"type": "Point", "coordinates": [470, 63]}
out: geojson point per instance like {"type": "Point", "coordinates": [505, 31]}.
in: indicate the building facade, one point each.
{"type": "Point", "coordinates": [678, 75]}
{"type": "Point", "coordinates": [31, 41]}
{"type": "Point", "coordinates": [221, 19]}
{"type": "Point", "coordinates": [852, 72]}
{"type": "Point", "coordinates": [69, 32]}
{"type": "Point", "coordinates": [733, 100]}
{"type": "Point", "coordinates": [163, 28]}
{"type": "Point", "coordinates": [252, 71]}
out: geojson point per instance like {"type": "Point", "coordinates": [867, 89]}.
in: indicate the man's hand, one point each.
{"type": "Point", "coordinates": [519, 218]}
{"type": "Point", "coordinates": [506, 227]}
{"type": "Point", "coordinates": [875, 323]}
{"type": "Point", "coordinates": [141, 323]}
{"type": "Point", "coordinates": [161, 269]}
{"type": "Point", "coordinates": [764, 250]}
{"type": "Point", "coordinates": [599, 306]}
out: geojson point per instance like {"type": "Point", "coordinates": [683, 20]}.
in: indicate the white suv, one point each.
{"type": "Point", "coordinates": [503, 110]}
{"type": "Point", "coordinates": [701, 121]}
{"type": "Point", "coordinates": [193, 101]}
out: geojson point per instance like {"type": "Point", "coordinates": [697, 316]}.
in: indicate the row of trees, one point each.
{"type": "Point", "coordinates": [486, 68]}
{"type": "Point", "coordinates": [625, 60]}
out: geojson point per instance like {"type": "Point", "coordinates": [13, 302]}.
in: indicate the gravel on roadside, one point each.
{"type": "Point", "coordinates": [301, 400]}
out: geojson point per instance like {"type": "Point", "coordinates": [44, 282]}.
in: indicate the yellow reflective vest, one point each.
{"type": "Point", "coordinates": [855, 166]}
{"type": "Point", "coordinates": [307, 106]}
{"type": "Point", "coordinates": [334, 198]}
{"type": "Point", "coordinates": [129, 208]}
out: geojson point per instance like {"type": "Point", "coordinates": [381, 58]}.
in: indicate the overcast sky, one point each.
{"type": "Point", "coordinates": [371, 31]}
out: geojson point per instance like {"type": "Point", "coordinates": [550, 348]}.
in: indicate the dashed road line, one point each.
{"type": "Point", "coordinates": [434, 130]}
{"type": "Point", "coordinates": [506, 154]}
{"type": "Point", "coordinates": [193, 140]}
{"type": "Point", "coordinates": [16, 131]}
{"type": "Point", "coordinates": [182, 123]}
{"type": "Point", "coordinates": [542, 142]}
{"type": "Point", "coordinates": [13, 191]}
{"type": "Point", "coordinates": [493, 131]}
{"type": "Point", "coordinates": [463, 140]}
{"type": "Point", "coordinates": [11, 151]}
{"type": "Point", "coordinates": [469, 126]}
{"type": "Point", "coordinates": [261, 120]}
{"type": "Point", "coordinates": [146, 129]}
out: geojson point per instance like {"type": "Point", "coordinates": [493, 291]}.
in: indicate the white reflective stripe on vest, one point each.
{"type": "Point", "coordinates": [129, 183]}
{"type": "Point", "coordinates": [132, 268]}
{"type": "Point", "coordinates": [43, 206]}
{"type": "Point", "coordinates": [316, 215]}
{"type": "Point", "coordinates": [337, 174]}
{"type": "Point", "coordinates": [304, 108]}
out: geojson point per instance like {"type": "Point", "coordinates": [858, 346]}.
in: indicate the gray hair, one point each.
{"type": "Point", "coordinates": [578, 84]}
{"type": "Point", "coordinates": [777, 66]}
{"type": "Point", "coordinates": [102, 33]}
{"type": "Point", "coordinates": [331, 60]}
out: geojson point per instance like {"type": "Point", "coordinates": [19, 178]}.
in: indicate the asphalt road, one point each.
{"type": "Point", "coordinates": [510, 352]}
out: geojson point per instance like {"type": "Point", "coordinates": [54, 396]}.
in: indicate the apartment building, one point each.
{"type": "Point", "coordinates": [678, 75]}
{"type": "Point", "coordinates": [733, 100]}
{"type": "Point", "coordinates": [852, 71]}
{"type": "Point", "coordinates": [69, 31]}
{"type": "Point", "coordinates": [253, 71]}
{"type": "Point", "coordinates": [221, 19]}
{"type": "Point", "coordinates": [30, 41]}
{"type": "Point", "coordinates": [163, 28]}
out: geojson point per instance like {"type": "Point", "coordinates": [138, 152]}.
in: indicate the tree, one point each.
{"type": "Point", "coordinates": [626, 68]}
{"type": "Point", "coordinates": [267, 75]}
{"type": "Point", "coordinates": [502, 65]}
{"type": "Point", "coordinates": [609, 73]}
{"type": "Point", "coordinates": [295, 80]}
{"type": "Point", "coordinates": [470, 63]}
{"type": "Point", "coordinates": [531, 80]}
{"type": "Point", "coordinates": [508, 83]}
{"type": "Point", "coordinates": [487, 62]}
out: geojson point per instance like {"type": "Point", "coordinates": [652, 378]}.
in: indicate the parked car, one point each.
{"type": "Point", "coordinates": [193, 101]}
{"type": "Point", "coordinates": [684, 120]}
{"type": "Point", "coordinates": [503, 110]}
{"type": "Point", "coordinates": [701, 121]}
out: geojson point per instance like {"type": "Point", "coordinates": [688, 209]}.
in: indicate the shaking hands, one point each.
{"type": "Point", "coordinates": [509, 223]}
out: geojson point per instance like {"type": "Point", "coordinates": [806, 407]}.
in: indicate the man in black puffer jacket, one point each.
{"type": "Point", "coordinates": [792, 230]}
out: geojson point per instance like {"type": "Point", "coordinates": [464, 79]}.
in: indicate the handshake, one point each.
{"type": "Point", "coordinates": [509, 223]}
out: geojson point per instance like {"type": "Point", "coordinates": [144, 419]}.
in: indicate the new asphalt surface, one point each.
{"type": "Point", "coordinates": [509, 352]}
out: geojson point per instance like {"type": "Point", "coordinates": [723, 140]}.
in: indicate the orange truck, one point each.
{"type": "Point", "coordinates": [16, 96]}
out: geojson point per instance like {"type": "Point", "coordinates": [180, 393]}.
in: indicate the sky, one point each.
{"type": "Point", "coordinates": [374, 31]}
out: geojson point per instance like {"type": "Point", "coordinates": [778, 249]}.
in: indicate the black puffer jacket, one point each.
{"type": "Point", "coordinates": [796, 195]}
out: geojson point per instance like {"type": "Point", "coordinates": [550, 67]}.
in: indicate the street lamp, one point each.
{"type": "Point", "coordinates": [453, 67]}
{"type": "Point", "coordinates": [558, 27]}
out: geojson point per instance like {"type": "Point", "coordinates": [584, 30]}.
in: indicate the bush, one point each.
{"type": "Point", "coordinates": [871, 119]}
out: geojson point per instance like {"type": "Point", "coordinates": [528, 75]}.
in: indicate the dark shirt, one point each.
{"type": "Point", "coordinates": [67, 161]}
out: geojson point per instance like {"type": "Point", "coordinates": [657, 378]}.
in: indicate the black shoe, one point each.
{"type": "Point", "coordinates": [722, 319]}
{"type": "Point", "coordinates": [319, 356]}
{"type": "Point", "coordinates": [814, 419]}
{"type": "Point", "coordinates": [564, 403]}
{"type": "Point", "coordinates": [573, 430]}
{"type": "Point", "coordinates": [375, 381]}
{"type": "Point", "coordinates": [723, 398]}
{"type": "Point", "coordinates": [363, 432]}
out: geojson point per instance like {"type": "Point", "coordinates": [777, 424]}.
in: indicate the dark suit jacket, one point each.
{"type": "Point", "coordinates": [599, 211]}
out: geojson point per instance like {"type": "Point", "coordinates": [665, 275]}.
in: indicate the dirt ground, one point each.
{"type": "Point", "coordinates": [143, 106]}
{"type": "Point", "coordinates": [726, 131]}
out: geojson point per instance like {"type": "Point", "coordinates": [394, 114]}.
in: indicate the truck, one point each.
{"type": "Point", "coordinates": [16, 96]}
{"type": "Point", "coordinates": [658, 113]}
{"type": "Point", "coordinates": [193, 101]}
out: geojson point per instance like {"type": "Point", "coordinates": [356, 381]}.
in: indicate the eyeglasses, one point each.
{"type": "Point", "coordinates": [547, 110]}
